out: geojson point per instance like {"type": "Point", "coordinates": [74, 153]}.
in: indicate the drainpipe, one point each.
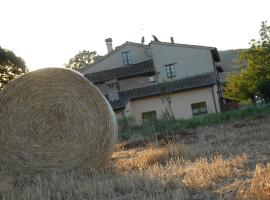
{"type": "Point", "coordinates": [217, 78]}
{"type": "Point", "coordinates": [214, 99]}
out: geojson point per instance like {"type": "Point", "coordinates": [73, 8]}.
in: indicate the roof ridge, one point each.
{"type": "Point", "coordinates": [120, 67]}
{"type": "Point", "coordinates": [175, 81]}
{"type": "Point", "coordinates": [113, 51]}
{"type": "Point", "coordinates": [189, 45]}
{"type": "Point", "coordinates": [142, 68]}
{"type": "Point", "coordinates": [214, 50]}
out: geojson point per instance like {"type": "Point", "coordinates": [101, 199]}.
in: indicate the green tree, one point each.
{"type": "Point", "coordinates": [11, 66]}
{"type": "Point", "coordinates": [253, 80]}
{"type": "Point", "coordinates": [241, 87]}
{"type": "Point", "coordinates": [82, 59]}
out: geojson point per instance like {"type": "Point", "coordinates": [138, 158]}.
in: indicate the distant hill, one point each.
{"type": "Point", "coordinates": [229, 62]}
{"type": "Point", "coordinates": [229, 58]}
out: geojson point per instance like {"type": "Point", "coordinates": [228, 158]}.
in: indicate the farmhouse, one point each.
{"type": "Point", "coordinates": [146, 81]}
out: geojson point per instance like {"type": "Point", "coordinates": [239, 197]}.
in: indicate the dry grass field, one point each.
{"type": "Point", "coordinates": [228, 161]}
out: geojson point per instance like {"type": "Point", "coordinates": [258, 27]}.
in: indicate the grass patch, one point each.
{"type": "Point", "coordinates": [167, 126]}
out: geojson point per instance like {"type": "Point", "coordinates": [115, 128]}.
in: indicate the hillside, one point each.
{"type": "Point", "coordinates": [229, 59]}
{"type": "Point", "coordinates": [229, 62]}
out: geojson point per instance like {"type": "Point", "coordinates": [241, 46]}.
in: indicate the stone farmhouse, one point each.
{"type": "Point", "coordinates": [143, 81]}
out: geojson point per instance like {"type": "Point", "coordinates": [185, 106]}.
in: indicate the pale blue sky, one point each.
{"type": "Point", "coordinates": [46, 33]}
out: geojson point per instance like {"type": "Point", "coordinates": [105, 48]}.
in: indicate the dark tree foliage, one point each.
{"type": "Point", "coordinates": [264, 89]}
{"type": "Point", "coordinates": [11, 66]}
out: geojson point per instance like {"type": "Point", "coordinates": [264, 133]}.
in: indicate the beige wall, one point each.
{"type": "Point", "coordinates": [215, 92]}
{"type": "Point", "coordinates": [128, 83]}
{"type": "Point", "coordinates": [139, 53]}
{"type": "Point", "coordinates": [189, 61]}
{"type": "Point", "coordinates": [126, 112]}
{"type": "Point", "coordinates": [181, 103]}
{"type": "Point", "coordinates": [118, 114]}
{"type": "Point", "coordinates": [102, 87]}
{"type": "Point", "coordinates": [134, 82]}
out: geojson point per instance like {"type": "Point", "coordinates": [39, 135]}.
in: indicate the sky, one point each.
{"type": "Point", "coordinates": [47, 33]}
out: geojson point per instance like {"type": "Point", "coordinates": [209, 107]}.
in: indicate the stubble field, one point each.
{"type": "Point", "coordinates": [227, 161]}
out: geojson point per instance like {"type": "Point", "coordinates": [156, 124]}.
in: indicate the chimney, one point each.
{"type": "Point", "coordinates": [172, 41]}
{"type": "Point", "coordinates": [109, 44]}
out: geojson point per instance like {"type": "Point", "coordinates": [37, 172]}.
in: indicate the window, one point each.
{"type": "Point", "coordinates": [111, 86]}
{"type": "Point", "coordinates": [199, 108]}
{"type": "Point", "coordinates": [126, 57]}
{"type": "Point", "coordinates": [152, 79]}
{"type": "Point", "coordinates": [117, 85]}
{"type": "Point", "coordinates": [114, 85]}
{"type": "Point", "coordinates": [170, 69]}
{"type": "Point", "coordinates": [149, 116]}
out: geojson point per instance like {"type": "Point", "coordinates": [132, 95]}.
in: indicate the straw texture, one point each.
{"type": "Point", "coordinates": [54, 119]}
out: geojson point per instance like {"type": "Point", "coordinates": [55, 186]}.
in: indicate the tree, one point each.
{"type": "Point", "coordinates": [166, 99]}
{"type": "Point", "coordinates": [253, 80]}
{"type": "Point", "coordinates": [264, 89]}
{"type": "Point", "coordinates": [82, 59]}
{"type": "Point", "coordinates": [241, 87]}
{"type": "Point", "coordinates": [11, 66]}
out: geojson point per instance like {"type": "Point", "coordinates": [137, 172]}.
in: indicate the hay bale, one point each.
{"type": "Point", "coordinates": [54, 119]}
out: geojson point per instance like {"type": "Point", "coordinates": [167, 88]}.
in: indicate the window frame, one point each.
{"type": "Point", "coordinates": [110, 86]}
{"type": "Point", "coordinates": [147, 119]}
{"type": "Point", "coordinates": [152, 79]}
{"type": "Point", "coordinates": [126, 56]}
{"type": "Point", "coordinates": [170, 70]}
{"type": "Point", "coordinates": [117, 85]}
{"type": "Point", "coordinates": [114, 85]}
{"type": "Point", "coordinates": [200, 106]}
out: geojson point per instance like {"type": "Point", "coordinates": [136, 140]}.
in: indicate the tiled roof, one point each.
{"type": "Point", "coordinates": [189, 83]}
{"type": "Point", "coordinates": [143, 68]}
{"type": "Point", "coordinates": [119, 104]}
{"type": "Point", "coordinates": [118, 48]}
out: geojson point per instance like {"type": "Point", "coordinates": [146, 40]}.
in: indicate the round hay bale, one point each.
{"type": "Point", "coordinates": [54, 119]}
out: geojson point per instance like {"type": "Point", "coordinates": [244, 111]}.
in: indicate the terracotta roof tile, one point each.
{"type": "Point", "coordinates": [143, 68]}
{"type": "Point", "coordinates": [189, 83]}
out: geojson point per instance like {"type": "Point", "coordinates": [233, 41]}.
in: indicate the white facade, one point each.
{"type": "Point", "coordinates": [181, 103]}
{"type": "Point", "coordinates": [114, 59]}
{"type": "Point", "coordinates": [187, 60]}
